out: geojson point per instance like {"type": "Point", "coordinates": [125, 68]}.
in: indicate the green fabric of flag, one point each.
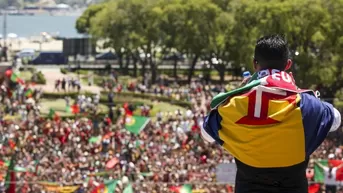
{"type": "Point", "coordinates": [135, 124]}
{"type": "Point", "coordinates": [187, 188]}
{"type": "Point", "coordinates": [68, 110]}
{"type": "Point", "coordinates": [147, 174]}
{"type": "Point", "coordinates": [51, 113]}
{"type": "Point", "coordinates": [29, 92]}
{"type": "Point", "coordinates": [94, 139]}
{"type": "Point", "coordinates": [128, 189]}
{"type": "Point", "coordinates": [319, 173]}
{"type": "Point", "coordinates": [221, 97]}
{"type": "Point", "coordinates": [111, 186]}
{"type": "Point", "coordinates": [14, 77]}
{"type": "Point", "coordinates": [20, 169]}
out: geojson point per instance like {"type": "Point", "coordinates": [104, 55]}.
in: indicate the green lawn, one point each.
{"type": "Point", "coordinates": [59, 106]}
{"type": "Point", "coordinates": [25, 75]}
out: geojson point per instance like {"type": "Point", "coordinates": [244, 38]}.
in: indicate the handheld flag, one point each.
{"type": "Point", "coordinates": [186, 188]}
{"type": "Point", "coordinates": [75, 109]}
{"type": "Point", "coordinates": [135, 124]}
{"type": "Point", "coordinates": [68, 189]}
{"type": "Point", "coordinates": [29, 93]}
{"type": "Point", "coordinates": [128, 189]}
{"type": "Point", "coordinates": [68, 109]}
{"type": "Point", "coordinates": [10, 176]}
{"type": "Point", "coordinates": [15, 78]}
{"type": "Point", "coordinates": [319, 173]}
{"type": "Point", "coordinates": [53, 115]}
{"type": "Point", "coordinates": [107, 187]}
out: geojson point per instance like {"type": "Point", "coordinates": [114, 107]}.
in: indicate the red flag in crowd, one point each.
{"type": "Point", "coordinates": [229, 189]}
{"type": "Point", "coordinates": [11, 143]}
{"type": "Point", "coordinates": [339, 172]}
{"type": "Point", "coordinates": [313, 188]}
{"type": "Point", "coordinates": [110, 164]}
{"type": "Point", "coordinates": [75, 109]}
{"type": "Point", "coordinates": [128, 111]}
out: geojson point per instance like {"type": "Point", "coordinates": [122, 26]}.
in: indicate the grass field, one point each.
{"type": "Point", "coordinates": [25, 75]}
{"type": "Point", "coordinates": [59, 106]}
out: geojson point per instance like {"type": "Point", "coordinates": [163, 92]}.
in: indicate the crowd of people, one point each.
{"type": "Point", "coordinates": [169, 152]}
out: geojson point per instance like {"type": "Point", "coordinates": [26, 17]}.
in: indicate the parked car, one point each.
{"type": "Point", "coordinates": [50, 58]}
{"type": "Point", "coordinates": [26, 53]}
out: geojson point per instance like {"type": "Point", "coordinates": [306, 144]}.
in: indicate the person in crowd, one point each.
{"type": "Point", "coordinates": [330, 176]}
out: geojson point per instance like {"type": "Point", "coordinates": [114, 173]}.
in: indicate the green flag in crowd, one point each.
{"type": "Point", "coordinates": [135, 124]}
{"type": "Point", "coordinates": [186, 188]}
{"type": "Point", "coordinates": [68, 110]}
{"type": "Point", "coordinates": [51, 113]}
{"type": "Point", "coordinates": [110, 186]}
{"type": "Point", "coordinates": [14, 77]}
{"type": "Point", "coordinates": [319, 173]}
{"type": "Point", "coordinates": [29, 92]}
{"type": "Point", "coordinates": [94, 139]}
{"type": "Point", "coordinates": [128, 189]}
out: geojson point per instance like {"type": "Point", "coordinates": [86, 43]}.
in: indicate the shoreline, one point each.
{"type": "Point", "coordinates": [15, 45]}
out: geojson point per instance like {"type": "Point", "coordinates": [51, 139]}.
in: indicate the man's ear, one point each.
{"type": "Point", "coordinates": [255, 64]}
{"type": "Point", "coordinates": [289, 64]}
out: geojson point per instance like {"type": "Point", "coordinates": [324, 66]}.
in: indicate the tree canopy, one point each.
{"type": "Point", "coordinates": [147, 30]}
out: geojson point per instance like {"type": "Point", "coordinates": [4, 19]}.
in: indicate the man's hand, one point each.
{"type": "Point", "coordinates": [245, 81]}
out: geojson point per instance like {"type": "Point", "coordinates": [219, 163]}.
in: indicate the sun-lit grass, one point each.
{"type": "Point", "coordinates": [25, 75]}
{"type": "Point", "coordinates": [59, 106]}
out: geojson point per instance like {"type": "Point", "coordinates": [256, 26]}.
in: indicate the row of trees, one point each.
{"type": "Point", "coordinates": [223, 29]}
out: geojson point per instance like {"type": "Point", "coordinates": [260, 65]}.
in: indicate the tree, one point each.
{"type": "Point", "coordinates": [83, 23]}
{"type": "Point", "coordinates": [112, 24]}
{"type": "Point", "coordinates": [224, 33]}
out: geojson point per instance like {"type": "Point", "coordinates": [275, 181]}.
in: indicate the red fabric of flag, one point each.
{"type": "Point", "coordinates": [11, 143]}
{"type": "Point", "coordinates": [128, 112]}
{"type": "Point", "coordinates": [75, 109]}
{"type": "Point", "coordinates": [339, 172]}
{"type": "Point", "coordinates": [175, 189]}
{"type": "Point", "coordinates": [11, 188]}
{"type": "Point", "coordinates": [313, 188]}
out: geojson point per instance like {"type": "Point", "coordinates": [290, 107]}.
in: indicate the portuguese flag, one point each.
{"type": "Point", "coordinates": [53, 115]}
{"type": "Point", "coordinates": [319, 173]}
{"type": "Point", "coordinates": [107, 187]}
{"type": "Point", "coordinates": [135, 124]}
{"type": "Point", "coordinates": [186, 188]}
{"type": "Point", "coordinates": [29, 92]}
{"type": "Point", "coordinates": [15, 78]}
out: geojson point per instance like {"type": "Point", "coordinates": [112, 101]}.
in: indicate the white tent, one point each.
{"type": "Point", "coordinates": [62, 6]}
{"type": "Point", "coordinates": [12, 35]}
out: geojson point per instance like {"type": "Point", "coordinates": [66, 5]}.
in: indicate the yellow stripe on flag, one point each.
{"type": "Point", "coordinates": [68, 189]}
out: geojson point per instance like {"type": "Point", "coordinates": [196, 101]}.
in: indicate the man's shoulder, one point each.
{"type": "Point", "coordinates": [310, 102]}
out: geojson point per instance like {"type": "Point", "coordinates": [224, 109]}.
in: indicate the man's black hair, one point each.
{"type": "Point", "coordinates": [271, 52]}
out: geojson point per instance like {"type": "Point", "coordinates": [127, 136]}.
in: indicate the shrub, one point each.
{"type": "Point", "coordinates": [64, 71]}
{"type": "Point", "coordinates": [82, 72]}
{"type": "Point", "coordinates": [38, 78]}
{"type": "Point", "coordinates": [59, 95]}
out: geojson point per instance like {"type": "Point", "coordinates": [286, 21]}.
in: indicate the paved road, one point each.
{"type": "Point", "coordinates": [102, 66]}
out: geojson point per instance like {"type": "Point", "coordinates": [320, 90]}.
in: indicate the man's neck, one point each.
{"type": "Point", "coordinates": [266, 72]}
